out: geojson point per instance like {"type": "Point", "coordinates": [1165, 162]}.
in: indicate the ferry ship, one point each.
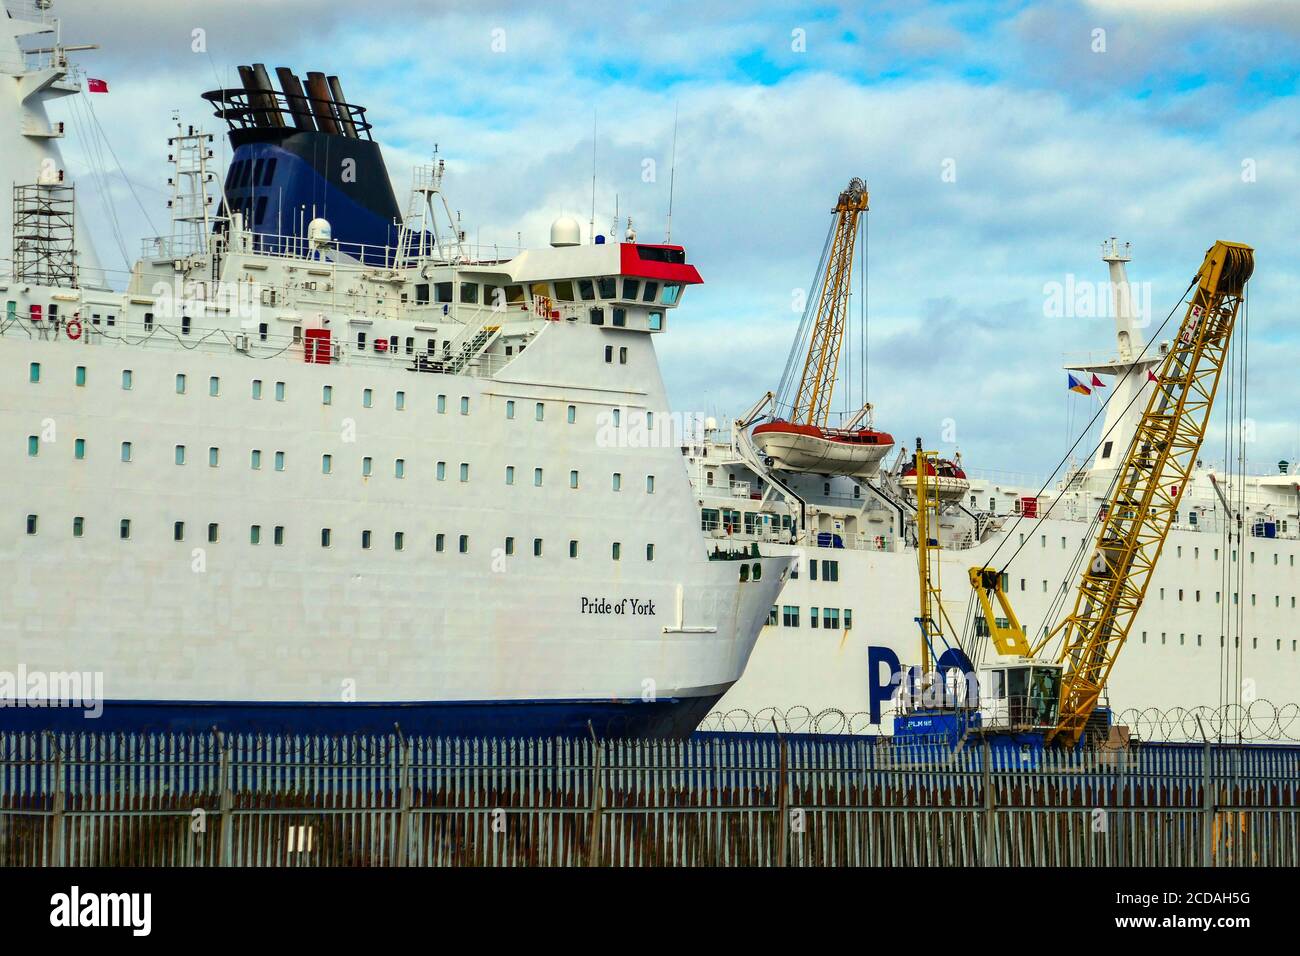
{"type": "Point", "coordinates": [318, 465]}
{"type": "Point", "coordinates": [1213, 652]}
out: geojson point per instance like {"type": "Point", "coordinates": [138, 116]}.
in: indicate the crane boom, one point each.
{"type": "Point", "coordinates": [812, 404]}
{"type": "Point", "coordinates": [1145, 495]}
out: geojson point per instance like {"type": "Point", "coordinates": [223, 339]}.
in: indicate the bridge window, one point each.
{"type": "Point", "coordinates": [442, 291]}
{"type": "Point", "coordinates": [586, 290]}
{"type": "Point", "coordinates": [630, 288]}
{"type": "Point", "coordinates": [469, 293]}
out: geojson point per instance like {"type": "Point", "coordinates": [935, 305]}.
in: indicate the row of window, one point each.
{"type": "Point", "coordinates": [1182, 594]}
{"type": "Point", "coordinates": [563, 290]}
{"type": "Point", "coordinates": [327, 465]}
{"type": "Point", "coordinates": [1236, 641]}
{"type": "Point", "coordinates": [828, 618]}
{"type": "Point", "coordinates": [1196, 551]}
{"type": "Point", "coordinates": [327, 538]}
{"type": "Point", "coordinates": [327, 394]}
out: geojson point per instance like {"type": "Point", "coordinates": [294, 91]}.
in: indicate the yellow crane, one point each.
{"type": "Point", "coordinates": [1142, 503]}
{"type": "Point", "coordinates": [812, 403]}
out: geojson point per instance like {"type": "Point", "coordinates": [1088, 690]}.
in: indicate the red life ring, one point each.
{"type": "Point", "coordinates": [74, 329]}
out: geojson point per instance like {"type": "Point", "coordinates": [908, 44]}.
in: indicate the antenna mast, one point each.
{"type": "Point", "coordinates": [672, 177]}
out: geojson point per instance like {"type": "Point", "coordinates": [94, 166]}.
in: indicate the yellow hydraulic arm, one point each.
{"type": "Point", "coordinates": [1008, 639]}
{"type": "Point", "coordinates": [1147, 490]}
{"type": "Point", "coordinates": [812, 403]}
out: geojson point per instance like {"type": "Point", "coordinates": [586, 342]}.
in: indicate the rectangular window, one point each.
{"type": "Point", "coordinates": [178, 530]}
{"type": "Point", "coordinates": [399, 401]}
{"type": "Point", "coordinates": [326, 464]}
{"type": "Point", "coordinates": [812, 618]}
{"type": "Point", "coordinates": [464, 544]}
{"type": "Point", "coordinates": [255, 534]}
{"type": "Point", "coordinates": [279, 391]}
{"type": "Point", "coordinates": [537, 477]}
{"type": "Point", "coordinates": [606, 286]}
{"type": "Point", "coordinates": [655, 321]}
{"type": "Point", "coordinates": [214, 386]}
{"type": "Point", "coordinates": [279, 534]}
{"type": "Point", "coordinates": [510, 546]}
{"type": "Point", "coordinates": [573, 548]}
{"type": "Point", "coordinates": [510, 409]}
{"type": "Point", "coordinates": [571, 415]}
{"type": "Point", "coordinates": [213, 533]}
{"type": "Point", "coordinates": [616, 551]}
{"type": "Point", "coordinates": [180, 383]}
{"type": "Point", "coordinates": [31, 524]}
{"type": "Point", "coordinates": [442, 404]}
{"type": "Point", "coordinates": [649, 484]}
{"type": "Point", "coordinates": [34, 372]}
{"type": "Point", "coordinates": [366, 464]}
{"type": "Point", "coordinates": [439, 542]}
{"type": "Point", "coordinates": [214, 456]}
{"type": "Point", "coordinates": [630, 288]}
{"type": "Point", "coordinates": [365, 540]}
{"type": "Point", "coordinates": [180, 454]}
{"type": "Point", "coordinates": [367, 397]}
{"type": "Point", "coordinates": [79, 448]}
{"type": "Point", "coordinates": [78, 526]}
{"type": "Point", "coordinates": [185, 325]}
{"type": "Point", "coordinates": [622, 356]}
{"type": "Point", "coordinates": [399, 468]}
{"type": "Point", "coordinates": [617, 481]}
{"type": "Point", "coordinates": [537, 547]}
{"type": "Point", "coordinates": [326, 394]}
{"type": "Point", "coordinates": [464, 471]}
{"type": "Point", "coordinates": [573, 479]}
{"type": "Point", "coordinates": [279, 461]}
{"type": "Point", "coordinates": [257, 389]}
{"type": "Point", "coordinates": [464, 404]}
{"type": "Point", "coordinates": [33, 446]}
{"type": "Point", "coordinates": [441, 471]}
{"type": "Point", "coordinates": [848, 619]}
{"type": "Point", "coordinates": [789, 615]}
{"type": "Point", "coordinates": [620, 317]}
{"type": "Point", "coordinates": [324, 537]}
{"type": "Point", "coordinates": [361, 341]}
{"type": "Point", "coordinates": [597, 316]}
{"type": "Point", "coordinates": [124, 529]}
{"type": "Point", "coordinates": [127, 379]}
{"type": "Point", "coordinates": [126, 451]}
{"type": "Point", "coordinates": [81, 375]}
{"type": "Point", "coordinates": [539, 412]}
{"type": "Point", "coordinates": [510, 474]}
{"type": "Point", "coordinates": [399, 540]}
{"type": "Point", "coordinates": [649, 552]}
{"type": "Point", "coordinates": [255, 459]}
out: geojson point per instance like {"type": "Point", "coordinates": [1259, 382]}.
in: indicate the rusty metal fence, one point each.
{"type": "Point", "coordinates": [715, 800]}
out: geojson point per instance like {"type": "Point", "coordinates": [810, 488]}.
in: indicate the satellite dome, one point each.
{"type": "Point", "coordinates": [565, 231]}
{"type": "Point", "coordinates": [319, 232]}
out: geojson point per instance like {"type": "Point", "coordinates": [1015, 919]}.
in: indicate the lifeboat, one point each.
{"type": "Point", "coordinates": [947, 476]}
{"type": "Point", "coordinates": [824, 451]}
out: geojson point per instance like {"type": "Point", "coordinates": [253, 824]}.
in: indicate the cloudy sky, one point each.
{"type": "Point", "coordinates": [1001, 143]}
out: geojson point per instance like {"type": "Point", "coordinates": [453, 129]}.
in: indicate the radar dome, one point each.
{"type": "Point", "coordinates": [565, 231]}
{"type": "Point", "coordinates": [320, 232]}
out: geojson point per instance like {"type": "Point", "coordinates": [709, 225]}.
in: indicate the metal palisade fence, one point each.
{"type": "Point", "coordinates": [713, 800]}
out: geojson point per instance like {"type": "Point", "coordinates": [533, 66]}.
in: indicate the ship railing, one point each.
{"type": "Point", "coordinates": [212, 341]}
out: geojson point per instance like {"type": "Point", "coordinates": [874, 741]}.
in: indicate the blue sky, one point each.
{"type": "Point", "coordinates": [1059, 136]}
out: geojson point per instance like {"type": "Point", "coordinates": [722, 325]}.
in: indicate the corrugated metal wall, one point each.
{"type": "Point", "coordinates": [718, 800]}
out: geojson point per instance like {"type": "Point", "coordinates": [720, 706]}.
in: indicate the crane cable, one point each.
{"type": "Point", "coordinates": [1082, 434]}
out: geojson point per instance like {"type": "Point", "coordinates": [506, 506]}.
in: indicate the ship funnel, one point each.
{"type": "Point", "coordinates": [322, 105]}
{"type": "Point", "coordinates": [295, 97]}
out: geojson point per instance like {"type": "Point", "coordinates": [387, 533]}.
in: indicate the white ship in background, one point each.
{"type": "Point", "coordinates": [1218, 636]}
{"type": "Point", "coordinates": [321, 467]}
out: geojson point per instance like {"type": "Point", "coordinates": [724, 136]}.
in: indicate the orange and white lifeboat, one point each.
{"type": "Point", "coordinates": [946, 475]}
{"type": "Point", "coordinates": [824, 451]}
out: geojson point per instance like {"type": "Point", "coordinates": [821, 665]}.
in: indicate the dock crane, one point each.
{"type": "Point", "coordinates": [1137, 514]}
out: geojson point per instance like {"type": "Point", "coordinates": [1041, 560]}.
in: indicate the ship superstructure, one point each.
{"type": "Point", "coordinates": [309, 473]}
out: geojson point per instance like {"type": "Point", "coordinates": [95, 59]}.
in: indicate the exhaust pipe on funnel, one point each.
{"type": "Point", "coordinates": [296, 98]}
{"type": "Point", "coordinates": [341, 108]}
{"type": "Point", "coordinates": [271, 107]}
{"type": "Point", "coordinates": [322, 106]}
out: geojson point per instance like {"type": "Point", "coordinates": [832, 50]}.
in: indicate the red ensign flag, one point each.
{"type": "Point", "coordinates": [96, 86]}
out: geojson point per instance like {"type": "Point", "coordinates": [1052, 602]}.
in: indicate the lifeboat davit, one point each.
{"type": "Point", "coordinates": [824, 451]}
{"type": "Point", "coordinates": [947, 476]}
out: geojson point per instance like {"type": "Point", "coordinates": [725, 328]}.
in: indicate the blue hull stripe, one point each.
{"type": "Point", "coordinates": [673, 717]}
